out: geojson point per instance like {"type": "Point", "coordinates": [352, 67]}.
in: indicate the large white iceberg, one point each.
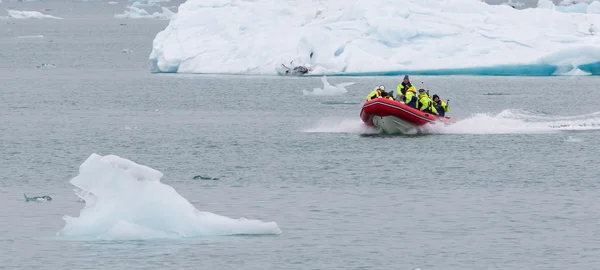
{"type": "Point", "coordinates": [376, 37]}
{"type": "Point", "coordinates": [126, 200]}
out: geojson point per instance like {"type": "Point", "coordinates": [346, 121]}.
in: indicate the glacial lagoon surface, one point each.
{"type": "Point", "coordinates": [512, 185]}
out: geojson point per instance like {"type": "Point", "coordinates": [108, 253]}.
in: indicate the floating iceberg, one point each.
{"type": "Point", "coordinates": [134, 12]}
{"type": "Point", "coordinates": [32, 36]}
{"type": "Point", "coordinates": [17, 14]}
{"type": "Point", "coordinates": [376, 37]}
{"type": "Point", "coordinates": [125, 200]}
{"type": "Point", "coordinates": [328, 89]}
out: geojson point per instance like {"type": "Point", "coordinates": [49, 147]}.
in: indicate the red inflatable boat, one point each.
{"type": "Point", "coordinates": [396, 117]}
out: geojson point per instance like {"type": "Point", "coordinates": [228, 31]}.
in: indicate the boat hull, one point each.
{"type": "Point", "coordinates": [393, 116]}
{"type": "Point", "coordinates": [392, 124]}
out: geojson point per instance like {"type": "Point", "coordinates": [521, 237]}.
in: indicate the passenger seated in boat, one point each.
{"type": "Point", "coordinates": [389, 95]}
{"type": "Point", "coordinates": [441, 107]}
{"type": "Point", "coordinates": [411, 98]}
{"type": "Point", "coordinates": [378, 93]}
{"type": "Point", "coordinates": [406, 92]}
{"type": "Point", "coordinates": [425, 103]}
{"type": "Point", "coordinates": [405, 85]}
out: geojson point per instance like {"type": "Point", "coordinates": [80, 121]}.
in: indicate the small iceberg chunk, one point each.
{"type": "Point", "coordinates": [127, 201]}
{"type": "Point", "coordinates": [21, 15]}
{"type": "Point", "coordinates": [328, 89]}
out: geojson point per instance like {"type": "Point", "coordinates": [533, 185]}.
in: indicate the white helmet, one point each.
{"type": "Point", "coordinates": [381, 87]}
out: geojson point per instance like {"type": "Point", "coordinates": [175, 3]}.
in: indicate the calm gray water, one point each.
{"type": "Point", "coordinates": [514, 185]}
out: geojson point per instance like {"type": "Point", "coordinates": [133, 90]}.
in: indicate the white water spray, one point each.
{"type": "Point", "coordinates": [505, 122]}
{"type": "Point", "coordinates": [517, 122]}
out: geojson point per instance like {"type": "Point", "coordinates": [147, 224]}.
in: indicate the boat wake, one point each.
{"type": "Point", "coordinates": [505, 122]}
{"type": "Point", "coordinates": [517, 122]}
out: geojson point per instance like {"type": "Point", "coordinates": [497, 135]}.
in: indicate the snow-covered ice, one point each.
{"type": "Point", "coordinates": [594, 8]}
{"type": "Point", "coordinates": [575, 2]}
{"type": "Point", "coordinates": [377, 37]}
{"type": "Point", "coordinates": [572, 6]}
